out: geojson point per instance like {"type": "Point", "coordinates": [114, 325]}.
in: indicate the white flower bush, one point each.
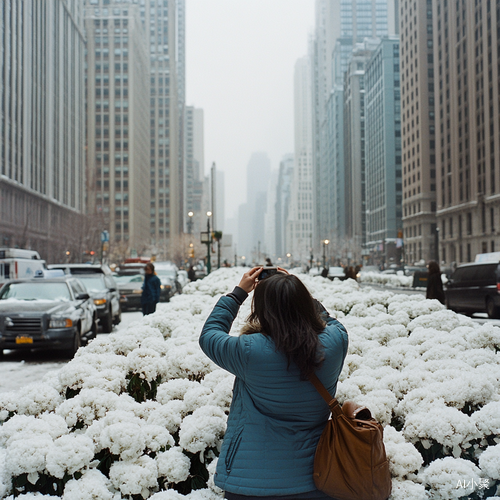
{"type": "Point", "coordinates": [142, 413]}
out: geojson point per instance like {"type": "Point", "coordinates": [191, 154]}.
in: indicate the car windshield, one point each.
{"type": "Point", "coordinates": [129, 278]}
{"type": "Point", "coordinates": [93, 283]}
{"type": "Point", "coordinates": [36, 291]}
{"type": "Point", "coordinates": [169, 273]}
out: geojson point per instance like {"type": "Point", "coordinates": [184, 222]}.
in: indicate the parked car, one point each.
{"type": "Point", "coordinates": [475, 288]}
{"type": "Point", "coordinates": [411, 270]}
{"type": "Point", "coordinates": [130, 289]}
{"type": "Point", "coordinates": [169, 277]}
{"type": "Point", "coordinates": [82, 268]}
{"type": "Point", "coordinates": [336, 272]}
{"type": "Point", "coordinates": [53, 313]}
{"type": "Point", "coordinates": [104, 291]}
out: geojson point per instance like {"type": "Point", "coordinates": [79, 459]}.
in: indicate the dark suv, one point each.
{"type": "Point", "coordinates": [475, 288]}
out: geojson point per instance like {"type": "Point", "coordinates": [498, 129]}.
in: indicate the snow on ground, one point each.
{"type": "Point", "coordinates": [18, 369]}
{"type": "Point", "coordinates": [142, 412]}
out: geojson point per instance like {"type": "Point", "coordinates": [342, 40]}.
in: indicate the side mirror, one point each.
{"type": "Point", "coordinates": [83, 296]}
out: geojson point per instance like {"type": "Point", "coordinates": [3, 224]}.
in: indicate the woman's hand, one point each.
{"type": "Point", "coordinates": [249, 279]}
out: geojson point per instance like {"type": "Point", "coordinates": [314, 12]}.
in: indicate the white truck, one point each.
{"type": "Point", "coordinates": [19, 263]}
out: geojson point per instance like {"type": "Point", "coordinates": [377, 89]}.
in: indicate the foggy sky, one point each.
{"type": "Point", "coordinates": [240, 57]}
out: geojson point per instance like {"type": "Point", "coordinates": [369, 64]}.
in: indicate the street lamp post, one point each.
{"type": "Point", "coordinates": [209, 243]}
{"type": "Point", "coordinates": [325, 242]}
{"type": "Point", "coordinates": [190, 222]}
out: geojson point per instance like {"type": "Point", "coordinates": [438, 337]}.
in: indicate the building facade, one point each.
{"type": "Point", "coordinates": [340, 25]}
{"type": "Point", "coordinates": [283, 193]}
{"type": "Point", "coordinates": [383, 184]}
{"type": "Point", "coordinates": [354, 152]}
{"type": "Point", "coordinates": [467, 107]}
{"type": "Point", "coordinates": [418, 131]}
{"type": "Point", "coordinates": [42, 128]}
{"type": "Point", "coordinates": [300, 219]}
{"type": "Point", "coordinates": [118, 133]}
{"type": "Point", "coordinates": [164, 24]}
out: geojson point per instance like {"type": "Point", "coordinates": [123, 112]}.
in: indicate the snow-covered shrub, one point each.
{"type": "Point", "coordinates": [142, 413]}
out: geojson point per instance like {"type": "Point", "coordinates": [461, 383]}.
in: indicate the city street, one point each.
{"type": "Point", "coordinates": [20, 368]}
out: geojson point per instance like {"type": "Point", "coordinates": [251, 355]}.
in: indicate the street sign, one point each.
{"type": "Point", "coordinates": [104, 236]}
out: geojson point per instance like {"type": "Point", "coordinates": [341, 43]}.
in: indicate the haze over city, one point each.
{"type": "Point", "coordinates": [240, 71]}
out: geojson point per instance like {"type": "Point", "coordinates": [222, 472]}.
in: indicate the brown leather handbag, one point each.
{"type": "Point", "coordinates": [350, 461]}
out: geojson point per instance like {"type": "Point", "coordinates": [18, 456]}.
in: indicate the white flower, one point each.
{"type": "Point", "coordinates": [134, 477]}
{"type": "Point", "coordinates": [446, 425]}
{"type": "Point", "coordinates": [403, 457]}
{"type": "Point", "coordinates": [203, 429]}
{"type": "Point", "coordinates": [407, 490]}
{"type": "Point", "coordinates": [70, 453]}
{"type": "Point", "coordinates": [168, 416]}
{"type": "Point", "coordinates": [489, 462]}
{"type": "Point", "coordinates": [173, 465]}
{"type": "Point", "coordinates": [487, 419]}
{"type": "Point", "coordinates": [91, 486]}
{"type": "Point", "coordinates": [445, 474]}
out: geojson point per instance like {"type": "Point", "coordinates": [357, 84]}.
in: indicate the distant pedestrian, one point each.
{"type": "Point", "coordinates": [324, 273]}
{"type": "Point", "coordinates": [150, 290]}
{"type": "Point", "coordinates": [269, 263]}
{"type": "Point", "coordinates": [191, 274]}
{"type": "Point", "coordinates": [434, 282]}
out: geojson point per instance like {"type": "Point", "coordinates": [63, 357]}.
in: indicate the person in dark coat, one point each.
{"type": "Point", "coordinates": [150, 290]}
{"type": "Point", "coordinates": [191, 274]}
{"type": "Point", "coordinates": [434, 283]}
{"type": "Point", "coordinates": [276, 416]}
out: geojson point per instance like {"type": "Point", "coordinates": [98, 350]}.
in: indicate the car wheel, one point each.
{"type": "Point", "coordinates": [118, 317]}
{"type": "Point", "coordinates": [1, 353]}
{"type": "Point", "coordinates": [107, 323]}
{"type": "Point", "coordinates": [491, 309]}
{"type": "Point", "coordinates": [77, 343]}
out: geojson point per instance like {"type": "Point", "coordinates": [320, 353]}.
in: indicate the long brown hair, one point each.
{"type": "Point", "coordinates": [284, 310]}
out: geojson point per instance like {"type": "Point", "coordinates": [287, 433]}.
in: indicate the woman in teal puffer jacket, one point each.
{"type": "Point", "coordinates": [276, 415]}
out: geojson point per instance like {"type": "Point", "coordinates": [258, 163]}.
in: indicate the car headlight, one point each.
{"type": "Point", "coordinates": [99, 302]}
{"type": "Point", "coordinates": [60, 323]}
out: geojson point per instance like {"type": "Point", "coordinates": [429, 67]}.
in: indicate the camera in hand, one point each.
{"type": "Point", "coordinates": [266, 272]}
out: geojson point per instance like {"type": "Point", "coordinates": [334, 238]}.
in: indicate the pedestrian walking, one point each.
{"type": "Point", "coordinates": [150, 290]}
{"type": "Point", "coordinates": [191, 273]}
{"type": "Point", "coordinates": [268, 262]}
{"type": "Point", "coordinates": [434, 282]}
{"type": "Point", "coordinates": [276, 415]}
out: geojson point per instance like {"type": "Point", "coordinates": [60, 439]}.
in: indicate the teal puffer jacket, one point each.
{"type": "Point", "coordinates": [276, 418]}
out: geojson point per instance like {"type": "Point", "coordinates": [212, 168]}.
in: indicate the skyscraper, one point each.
{"type": "Point", "coordinates": [164, 22]}
{"type": "Point", "coordinates": [418, 130]}
{"type": "Point", "coordinates": [283, 193]}
{"type": "Point", "coordinates": [300, 217]}
{"type": "Point", "coordinates": [467, 97]}
{"type": "Point", "coordinates": [118, 124]}
{"type": "Point", "coordinates": [383, 153]}
{"type": "Point", "coordinates": [340, 25]}
{"type": "Point", "coordinates": [42, 127]}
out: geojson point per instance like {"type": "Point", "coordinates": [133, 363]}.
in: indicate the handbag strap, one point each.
{"type": "Point", "coordinates": [329, 399]}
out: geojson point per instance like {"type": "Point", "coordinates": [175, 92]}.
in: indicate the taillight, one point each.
{"type": "Point", "coordinates": [498, 287]}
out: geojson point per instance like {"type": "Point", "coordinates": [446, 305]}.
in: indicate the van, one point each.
{"type": "Point", "coordinates": [475, 288]}
{"type": "Point", "coordinates": [17, 263]}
